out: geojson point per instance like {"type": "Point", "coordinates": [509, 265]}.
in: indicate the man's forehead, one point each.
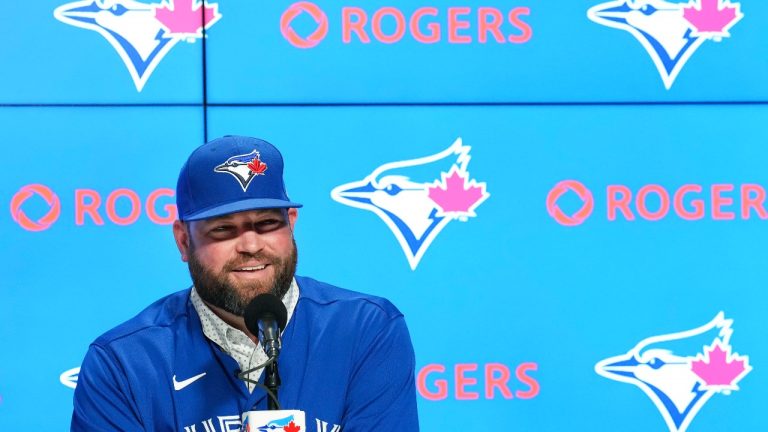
{"type": "Point", "coordinates": [248, 214]}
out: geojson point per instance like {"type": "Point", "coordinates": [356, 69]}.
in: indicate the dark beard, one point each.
{"type": "Point", "coordinates": [215, 289]}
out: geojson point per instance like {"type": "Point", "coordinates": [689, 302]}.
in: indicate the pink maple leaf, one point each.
{"type": "Point", "coordinates": [455, 194]}
{"type": "Point", "coordinates": [719, 368]}
{"type": "Point", "coordinates": [713, 17]}
{"type": "Point", "coordinates": [184, 18]}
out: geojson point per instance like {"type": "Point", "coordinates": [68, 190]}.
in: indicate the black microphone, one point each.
{"type": "Point", "coordinates": [266, 316]}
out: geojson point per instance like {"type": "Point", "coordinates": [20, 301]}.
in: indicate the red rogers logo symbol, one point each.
{"type": "Point", "coordinates": [579, 216]}
{"type": "Point", "coordinates": [316, 13]}
{"type": "Point", "coordinates": [44, 222]}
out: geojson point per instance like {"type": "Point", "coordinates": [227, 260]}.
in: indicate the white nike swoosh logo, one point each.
{"type": "Point", "coordinates": [178, 385]}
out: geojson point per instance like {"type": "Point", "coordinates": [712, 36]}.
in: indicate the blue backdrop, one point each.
{"type": "Point", "coordinates": [587, 186]}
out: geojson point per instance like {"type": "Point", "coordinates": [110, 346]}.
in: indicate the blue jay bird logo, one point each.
{"type": "Point", "coordinates": [69, 377]}
{"type": "Point", "coordinates": [244, 168]}
{"type": "Point", "coordinates": [279, 424]}
{"type": "Point", "coordinates": [681, 371]}
{"type": "Point", "coordinates": [670, 31]}
{"type": "Point", "coordinates": [417, 198]}
{"type": "Point", "coordinates": [141, 33]}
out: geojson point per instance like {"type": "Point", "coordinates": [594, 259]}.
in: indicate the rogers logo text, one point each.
{"type": "Point", "coordinates": [427, 25]}
{"type": "Point", "coordinates": [653, 202]}
{"type": "Point", "coordinates": [472, 381]}
{"type": "Point", "coordinates": [45, 221]}
{"type": "Point", "coordinates": [120, 207]}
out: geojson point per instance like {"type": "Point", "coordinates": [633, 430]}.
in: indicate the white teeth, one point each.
{"type": "Point", "coordinates": [261, 267]}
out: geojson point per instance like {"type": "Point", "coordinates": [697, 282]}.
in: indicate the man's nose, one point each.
{"type": "Point", "coordinates": [249, 242]}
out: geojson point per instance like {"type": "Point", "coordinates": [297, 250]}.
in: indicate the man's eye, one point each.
{"type": "Point", "coordinates": [223, 228]}
{"type": "Point", "coordinates": [269, 225]}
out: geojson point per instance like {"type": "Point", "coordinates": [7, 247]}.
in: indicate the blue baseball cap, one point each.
{"type": "Point", "coordinates": [229, 175]}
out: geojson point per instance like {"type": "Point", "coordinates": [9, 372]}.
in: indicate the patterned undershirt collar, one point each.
{"type": "Point", "coordinates": [233, 341]}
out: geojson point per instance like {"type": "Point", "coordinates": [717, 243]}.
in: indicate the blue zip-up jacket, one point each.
{"type": "Point", "coordinates": [346, 360]}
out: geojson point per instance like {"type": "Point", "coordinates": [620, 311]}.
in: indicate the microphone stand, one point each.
{"type": "Point", "coordinates": [272, 381]}
{"type": "Point", "coordinates": [265, 316]}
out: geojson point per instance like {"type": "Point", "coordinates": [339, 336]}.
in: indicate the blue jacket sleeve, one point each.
{"type": "Point", "coordinates": [382, 393]}
{"type": "Point", "coordinates": [103, 400]}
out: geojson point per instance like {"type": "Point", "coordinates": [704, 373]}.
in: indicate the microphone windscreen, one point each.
{"type": "Point", "coordinates": [262, 307]}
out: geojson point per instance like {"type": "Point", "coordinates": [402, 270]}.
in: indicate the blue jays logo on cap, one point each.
{"type": "Point", "coordinates": [244, 168]}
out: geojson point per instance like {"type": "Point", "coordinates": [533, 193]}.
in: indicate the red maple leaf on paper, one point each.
{"type": "Point", "coordinates": [291, 427]}
{"type": "Point", "coordinates": [257, 166]}
{"type": "Point", "coordinates": [185, 18]}
{"type": "Point", "coordinates": [719, 369]}
{"type": "Point", "coordinates": [455, 195]}
{"type": "Point", "coordinates": [713, 17]}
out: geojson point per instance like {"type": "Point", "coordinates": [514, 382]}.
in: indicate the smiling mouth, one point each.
{"type": "Point", "coordinates": [250, 268]}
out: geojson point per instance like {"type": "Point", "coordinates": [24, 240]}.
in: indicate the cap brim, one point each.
{"type": "Point", "coordinates": [240, 206]}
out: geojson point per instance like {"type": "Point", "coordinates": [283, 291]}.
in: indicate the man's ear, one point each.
{"type": "Point", "coordinates": [293, 214]}
{"type": "Point", "coordinates": [181, 235]}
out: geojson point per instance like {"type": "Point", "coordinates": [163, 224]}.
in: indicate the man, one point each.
{"type": "Point", "coordinates": [346, 358]}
